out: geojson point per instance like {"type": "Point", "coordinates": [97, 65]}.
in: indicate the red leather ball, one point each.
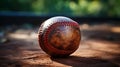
{"type": "Point", "coordinates": [59, 36]}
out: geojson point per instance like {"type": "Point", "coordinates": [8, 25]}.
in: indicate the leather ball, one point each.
{"type": "Point", "coordinates": [59, 36]}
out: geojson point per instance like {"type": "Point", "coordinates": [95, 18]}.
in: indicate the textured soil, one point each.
{"type": "Point", "coordinates": [99, 47]}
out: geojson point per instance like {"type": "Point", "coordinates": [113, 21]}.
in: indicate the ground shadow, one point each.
{"type": "Point", "coordinates": [75, 61]}
{"type": "Point", "coordinates": [7, 62]}
{"type": "Point", "coordinates": [15, 53]}
{"type": "Point", "coordinates": [102, 35]}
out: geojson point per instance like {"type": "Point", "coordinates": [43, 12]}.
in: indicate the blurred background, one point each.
{"type": "Point", "coordinates": [38, 10]}
{"type": "Point", "coordinates": [99, 24]}
{"type": "Point", "coordinates": [95, 8]}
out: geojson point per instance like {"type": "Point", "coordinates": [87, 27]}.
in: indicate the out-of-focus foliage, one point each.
{"type": "Point", "coordinates": [67, 7]}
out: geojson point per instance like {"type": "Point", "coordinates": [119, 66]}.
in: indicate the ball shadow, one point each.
{"type": "Point", "coordinates": [75, 61]}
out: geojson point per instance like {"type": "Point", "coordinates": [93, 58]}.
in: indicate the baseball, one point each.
{"type": "Point", "coordinates": [59, 36]}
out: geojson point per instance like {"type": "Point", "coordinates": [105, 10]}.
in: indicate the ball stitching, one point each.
{"type": "Point", "coordinates": [74, 24]}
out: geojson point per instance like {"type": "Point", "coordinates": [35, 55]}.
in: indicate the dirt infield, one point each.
{"type": "Point", "coordinates": [99, 47]}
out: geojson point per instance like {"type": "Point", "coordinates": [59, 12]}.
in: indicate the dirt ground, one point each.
{"type": "Point", "coordinates": [99, 47]}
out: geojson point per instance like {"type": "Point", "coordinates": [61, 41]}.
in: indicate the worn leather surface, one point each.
{"type": "Point", "coordinates": [61, 37]}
